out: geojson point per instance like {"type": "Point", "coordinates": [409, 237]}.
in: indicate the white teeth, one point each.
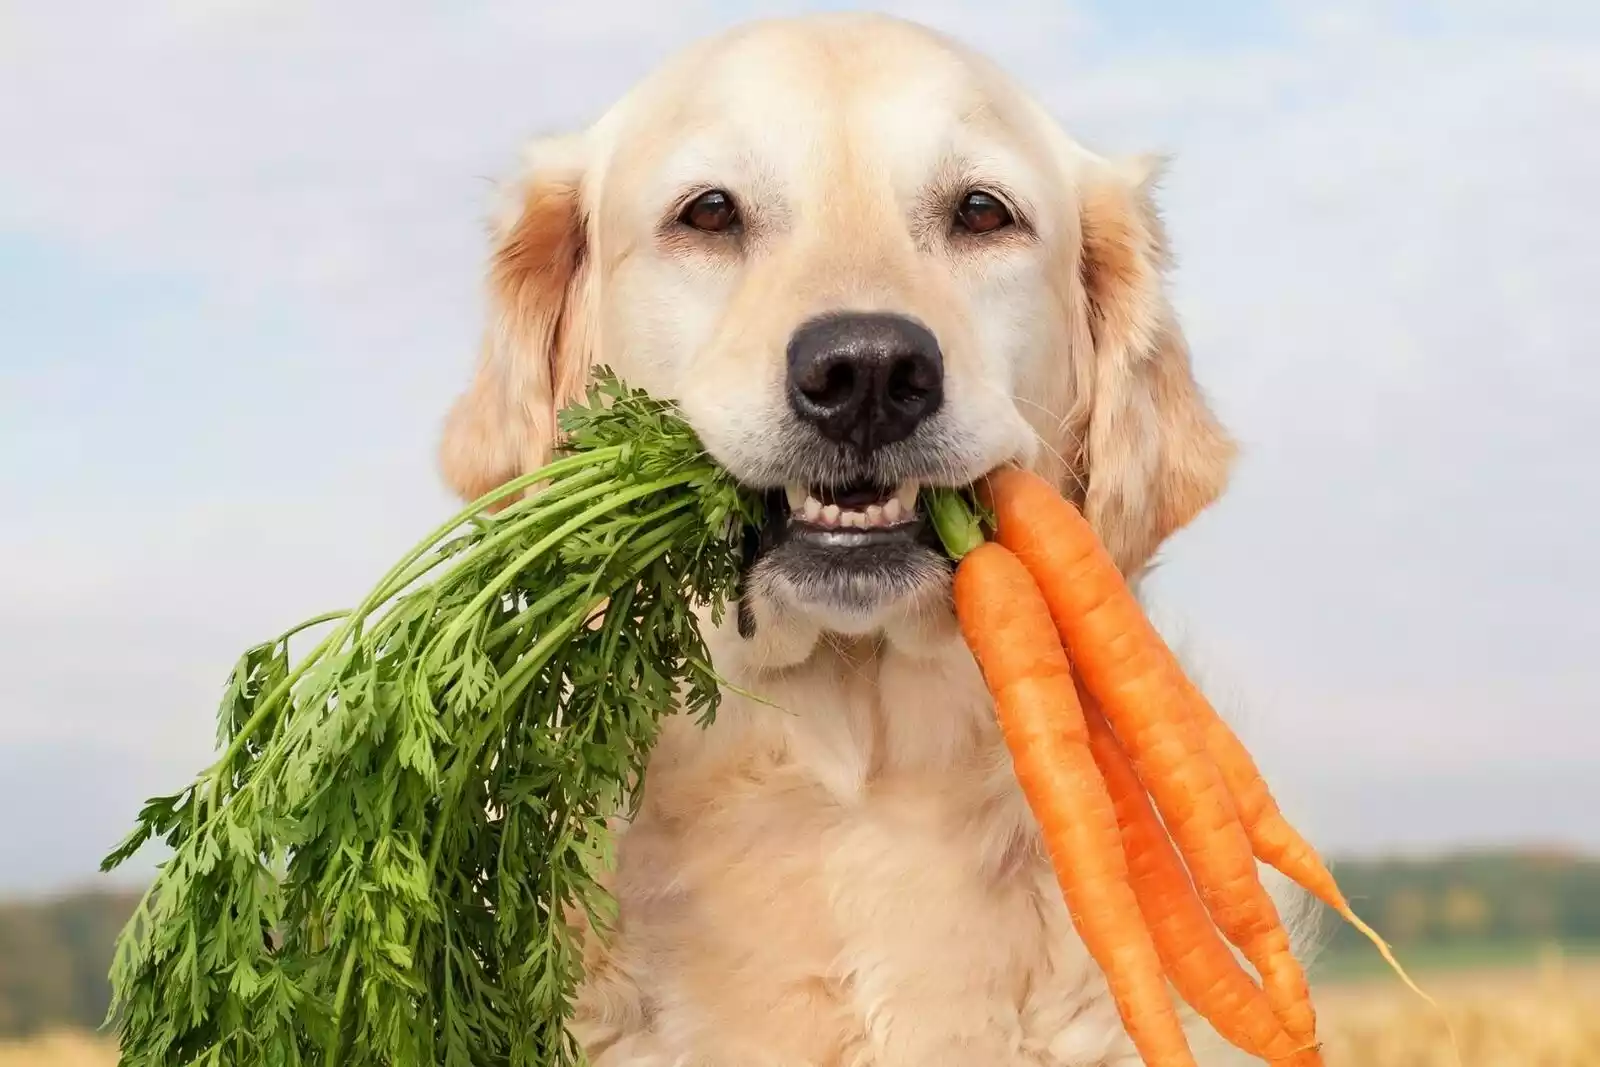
{"type": "Point", "coordinates": [899, 508]}
{"type": "Point", "coordinates": [906, 496]}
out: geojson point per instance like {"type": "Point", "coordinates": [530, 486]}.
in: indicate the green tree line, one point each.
{"type": "Point", "coordinates": [54, 954]}
{"type": "Point", "coordinates": [1488, 897]}
{"type": "Point", "coordinates": [54, 957]}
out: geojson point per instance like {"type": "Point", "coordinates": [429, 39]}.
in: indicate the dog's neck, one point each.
{"type": "Point", "coordinates": [846, 708]}
{"type": "Point", "coordinates": [765, 635]}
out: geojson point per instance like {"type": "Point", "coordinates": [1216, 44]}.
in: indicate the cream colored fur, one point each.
{"type": "Point", "coordinates": [853, 880]}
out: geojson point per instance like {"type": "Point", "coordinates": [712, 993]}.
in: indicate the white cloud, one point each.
{"type": "Point", "coordinates": [298, 151]}
{"type": "Point", "coordinates": [1386, 233]}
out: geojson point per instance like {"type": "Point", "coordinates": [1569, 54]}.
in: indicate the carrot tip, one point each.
{"type": "Point", "coordinates": [1387, 953]}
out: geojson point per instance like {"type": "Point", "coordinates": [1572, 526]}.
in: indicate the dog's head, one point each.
{"type": "Point", "coordinates": [862, 261]}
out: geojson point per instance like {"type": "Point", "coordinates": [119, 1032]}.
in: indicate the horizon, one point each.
{"type": "Point", "coordinates": [118, 884]}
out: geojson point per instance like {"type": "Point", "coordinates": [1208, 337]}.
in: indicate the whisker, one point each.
{"type": "Point", "coordinates": [1066, 465]}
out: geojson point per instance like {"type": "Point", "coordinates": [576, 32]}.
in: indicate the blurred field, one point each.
{"type": "Point", "coordinates": [58, 1050]}
{"type": "Point", "coordinates": [1545, 1016]}
{"type": "Point", "coordinates": [1542, 1016]}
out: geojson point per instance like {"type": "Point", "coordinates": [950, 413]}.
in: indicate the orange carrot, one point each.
{"type": "Point", "coordinates": [1196, 959]}
{"type": "Point", "coordinates": [1273, 839]}
{"type": "Point", "coordinates": [1127, 667]}
{"type": "Point", "coordinates": [1007, 624]}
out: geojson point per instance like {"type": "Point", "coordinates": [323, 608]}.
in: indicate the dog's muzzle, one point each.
{"type": "Point", "coordinates": [851, 536]}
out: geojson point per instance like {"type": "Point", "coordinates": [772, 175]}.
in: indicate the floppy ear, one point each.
{"type": "Point", "coordinates": [535, 351]}
{"type": "Point", "coordinates": [1155, 456]}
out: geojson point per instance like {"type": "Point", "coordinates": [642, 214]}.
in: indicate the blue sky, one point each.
{"type": "Point", "coordinates": [240, 246]}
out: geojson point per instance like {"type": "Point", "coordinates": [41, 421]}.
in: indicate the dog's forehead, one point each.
{"type": "Point", "coordinates": [782, 69]}
{"type": "Point", "coordinates": [795, 102]}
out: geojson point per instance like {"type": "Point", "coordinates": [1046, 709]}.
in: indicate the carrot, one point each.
{"type": "Point", "coordinates": [1273, 839]}
{"type": "Point", "coordinates": [1007, 624]}
{"type": "Point", "coordinates": [1127, 667]}
{"type": "Point", "coordinates": [1196, 959]}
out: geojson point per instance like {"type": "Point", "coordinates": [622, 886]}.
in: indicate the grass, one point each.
{"type": "Point", "coordinates": [1360, 962]}
{"type": "Point", "coordinates": [1543, 1015]}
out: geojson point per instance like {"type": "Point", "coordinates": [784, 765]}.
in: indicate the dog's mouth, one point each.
{"type": "Point", "coordinates": [853, 547]}
{"type": "Point", "coordinates": [850, 515]}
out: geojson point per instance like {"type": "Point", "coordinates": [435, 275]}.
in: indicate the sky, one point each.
{"type": "Point", "coordinates": [241, 245]}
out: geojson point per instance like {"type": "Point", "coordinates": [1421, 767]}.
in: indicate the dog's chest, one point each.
{"type": "Point", "coordinates": [850, 880]}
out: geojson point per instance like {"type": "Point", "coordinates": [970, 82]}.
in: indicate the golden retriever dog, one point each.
{"type": "Point", "coordinates": [862, 261]}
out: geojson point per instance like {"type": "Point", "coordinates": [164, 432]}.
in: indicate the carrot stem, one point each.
{"type": "Point", "coordinates": [956, 521]}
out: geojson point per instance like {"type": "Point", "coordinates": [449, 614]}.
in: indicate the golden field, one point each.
{"type": "Point", "coordinates": [1548, 1016]}
{"type": "Point", "coordinates": [1526, 1017]}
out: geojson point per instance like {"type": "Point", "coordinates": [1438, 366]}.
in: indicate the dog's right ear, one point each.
{"type": "Point", "coordinates": [1156, 455]}
{"type": "Point", "coordinates": [536, 346]}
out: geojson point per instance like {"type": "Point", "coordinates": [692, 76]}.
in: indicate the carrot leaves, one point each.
{"type": "Point", "coordinates": [391, 859]}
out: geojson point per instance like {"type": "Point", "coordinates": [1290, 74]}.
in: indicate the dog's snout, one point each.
{"type": "Point", "coordinates": [865, 380]}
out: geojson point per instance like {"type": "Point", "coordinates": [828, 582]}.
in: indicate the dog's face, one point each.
{"type": "Point", "coordinates": [863, 262]}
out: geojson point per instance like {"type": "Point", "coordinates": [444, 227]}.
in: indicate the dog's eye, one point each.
{"type": "Point", "coordinates": [712, 212]}
{"type": "Point", "coordinates": [981, 212]}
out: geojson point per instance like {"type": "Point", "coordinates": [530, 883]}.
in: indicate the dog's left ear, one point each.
{"type": "Point", "coordinates": [1155, 455]}
{"type": "Point", "coordinates": [536, 345]}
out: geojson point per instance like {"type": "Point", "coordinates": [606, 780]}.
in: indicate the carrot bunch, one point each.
{"type": "Point", "coordinates": [1152, 811]}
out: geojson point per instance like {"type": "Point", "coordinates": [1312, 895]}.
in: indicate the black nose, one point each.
{"type": "Point", "coordinates": [865, 380]}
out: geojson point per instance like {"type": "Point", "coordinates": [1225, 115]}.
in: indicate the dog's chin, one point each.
{"type": "Point", "coordinates": [851, 581]}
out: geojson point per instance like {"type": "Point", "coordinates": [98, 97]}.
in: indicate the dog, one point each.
{"type": "Point", "coordinates": [861, 260]}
